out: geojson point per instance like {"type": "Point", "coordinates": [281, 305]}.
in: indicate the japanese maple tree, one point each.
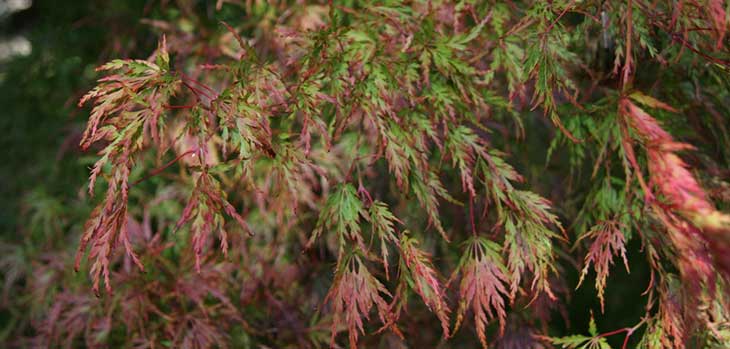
{"type": "Point", "coordinates": [406, 174]}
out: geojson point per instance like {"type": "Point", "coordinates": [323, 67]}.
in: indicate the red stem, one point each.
{"type": "Point", "coordinates": [160, 169]}
{"type": "Point", "coordinates": [629, 331]}
{"type": "Point", "coordinates": [197, 91]}
{"type": "Point", "coordinates": [198, 83]}
{"type": "Point", "coordinates": [191, 106]}
{"type": "Point", "coordinates": [626, 340]}
{"type": "Point", "coordinates": [608, 334]}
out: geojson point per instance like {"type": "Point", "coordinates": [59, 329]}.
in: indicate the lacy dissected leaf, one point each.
{"type": "Point", "coordinates": [497, 178]}
{"type": "Point", "coordinates": [246, 108]}
{"type": "Point", "coordinates": [483, 286]}
{"type": "Point", "coordinates": [464, 148]}
{"type": "Point", "coordinates": [666, 169]}
{"type": "Point", "coordinates": [608, 241]}
{"type": "Point", "coordinates": [126, 105]}
{"type": "Point", "coordinates": [353, 294]}
{"type": "Point", "coordinates": [308, 109]}
{"type": "Point", "coordinates": [402, 151]}
{"type": "Point", "coordinates": [118, 97]}
{"type": "Point", "coordinates": [106, 227]}
{"type": "Point", "coordinates": [672, 177]}
{"type": "Point", "coordinates": [383, 223]}
{"type": "Point", "coordinates": [546, 60]}
{"type": "Point", "coordinates": [288, 181]}
{"type": "Point", "coordinates": [205, 209]}
{"type": "Point", "coordinates": [669, 318]}
{"type": "Point", "coordinates": [341, 214]}
{"type": "Point", "coordinates": [528, 240]}
{"type": "Point", "coordinates": [418, 272]}
{"type": "Point", "coordinates": [427, 191]}
{"type": "Point", "coordinates": [525, 217]}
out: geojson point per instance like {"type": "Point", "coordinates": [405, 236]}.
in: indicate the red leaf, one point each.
{"type": "Point", "coordinates": [353, 294]}
{"type": "Point", "coordinates": [483, 286]}
{"type": "Point", "coordinates": [424, 281]}
{"type": "Point", "coordinates": [608, 241]}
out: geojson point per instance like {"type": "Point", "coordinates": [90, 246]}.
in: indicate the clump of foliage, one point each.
{"type": "Point", "coordinates": [296, 174]}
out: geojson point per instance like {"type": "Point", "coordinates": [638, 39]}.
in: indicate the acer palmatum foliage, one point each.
{"type": "Point", "coordinates": [483, 286]}
{"type": "Point", "coordinates": [608, 242]}
{"type": "Point", "coordinates": [354, 292]}
{"type": "Point", "coordinates": [368, 149]}
{"type": "Point", "coordinates": [418, 273]}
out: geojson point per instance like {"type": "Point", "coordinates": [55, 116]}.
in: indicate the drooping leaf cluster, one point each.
{"type": "Point", "coordinates": [283, 173]}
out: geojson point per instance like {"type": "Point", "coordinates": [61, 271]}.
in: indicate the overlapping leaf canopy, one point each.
{"type": "Point", "coordinates": [395, 151]}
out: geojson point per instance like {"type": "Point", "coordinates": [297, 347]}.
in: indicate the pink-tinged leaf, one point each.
{"type": "Point", "coordinates": [420, 275]}
{"type": "Point", "coordinates": [187, 212]}
{"type": "Point", "coordinates": [223, 235]}
{"type": "Point", "coordinates": [683, 193]}
{"type": "Point", "coordinates": [93, 223]}
{"type": "Point", "coordinates": [528, 241]}
{"type": "Point", "coordinates": [95, 171]}
{"type": "Point", "coordinates": [667, 170]}
{"type": "Point", "coordinates": [353, 294]}
{"type": "Point", "coordinates": [231, 211]}
{"type": "Point", "coordinates": [483, 286]}
{"type": "Point", "coordinates": [608, 241]}
{"type": "Point", "coordinates": [124, 236]}
{"type": "Point", "coordinates": [205, 209]}
{"type": "Point", "coordinates": [105, 228]}
{"type": "Point", "coordinates": [647, 127]}
{"type": "Point", "coordinates": [127, 106]}
{"type": "Point", "coordinates": [464, 147]}
{"type": "Point", "coordinates": [671, 175]}
{"type": "Point", "coordinates": [719, 19]}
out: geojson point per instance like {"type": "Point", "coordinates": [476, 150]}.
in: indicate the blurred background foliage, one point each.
{"type": "Point", "coordinates": [39, 89]}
